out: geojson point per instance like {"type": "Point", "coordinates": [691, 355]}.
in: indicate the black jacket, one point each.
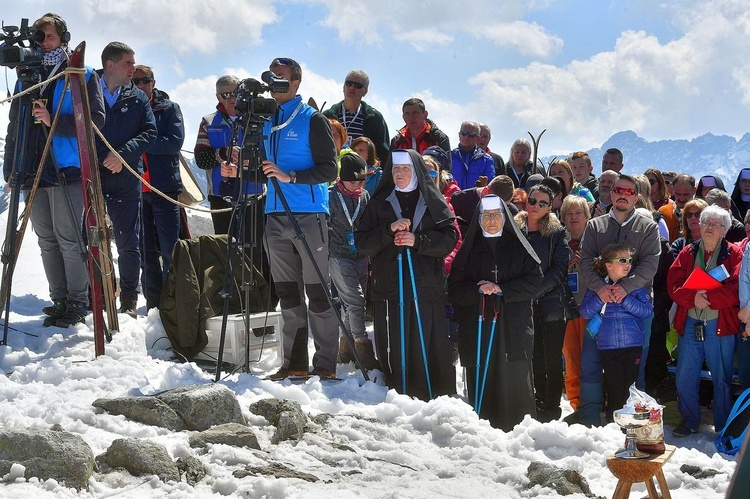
{"type": "Point", "coordinates": [163, 158]}
{"type": "Point", "coordinates": [375, 127]}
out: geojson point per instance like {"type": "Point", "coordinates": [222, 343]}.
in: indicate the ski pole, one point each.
{"type": "Point", "coordinates": [479, 355]}
{"type": "Point", "coordinates": [419, 322]}
{"type": "Point", "coordinates": [401, 319]}
{"type": "Point", "coordinates": [487, 358]}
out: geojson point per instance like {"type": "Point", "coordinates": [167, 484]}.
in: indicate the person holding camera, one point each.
{"type": "Point", "coordinates": [706, 319]}
{"type": "Point", "coordinates": [57, 211]}
{"type": "Point", "coordinates": [301, 157]}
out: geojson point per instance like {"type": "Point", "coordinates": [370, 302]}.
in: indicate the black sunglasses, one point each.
{"type": "Point", "coordinates": [228, 95]}
{"type": "Point", "coordinates": [533, 201]}
{"type": "Point", "coordinates": [355, 84]}
{"type": "Point", "coordinates": [145, 79]}
{"type": "Point", "coordinates": [468, 134]}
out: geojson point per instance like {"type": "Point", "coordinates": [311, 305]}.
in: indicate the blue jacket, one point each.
{"type": "Point", "coordinates": [163, 159]}
{"type": "Point", "coordinates": [469, 166]}
{"type": "Point", "coordinates": [64, 142]}
{"type": "Point", "coordinates": [130, 129]}
{"type": "Point", "coordinates": [622, 323]}
{"type": "Point", "coordinates": [303, 145]}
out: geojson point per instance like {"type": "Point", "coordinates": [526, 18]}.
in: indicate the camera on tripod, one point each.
{"type": "Point", "coordinates": [21, 46]}
{"type": "Point", "coordinates": [249, 103]}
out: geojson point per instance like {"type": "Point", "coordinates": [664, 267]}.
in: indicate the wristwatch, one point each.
{"type": "Point", "coordinates": [292, 177]}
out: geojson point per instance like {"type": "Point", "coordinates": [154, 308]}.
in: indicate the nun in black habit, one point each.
{"type": "Point", "coordinates": [496, 258]}
{"type": "Point", "coordinates": [408, 211]}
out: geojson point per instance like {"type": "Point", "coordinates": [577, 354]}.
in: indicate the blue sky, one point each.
{"type": "Point", "coordinates": [581, 69]}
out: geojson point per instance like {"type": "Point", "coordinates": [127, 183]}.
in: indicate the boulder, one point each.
{"type": "Point", "coordinates": [564, 482]}
{"type": "Point", "coordinates": [192, 468]}
{"type": "Point", "coordinates": [285, 415]}
{"type": "Point", "coordinates": [203, 406]}
{"type": "Point", "coordinates": [47, 454]}
{"type": "Point", "coordinates": [141, 457]}
{"type": "Point", "coordinates": [233, 434]}
{"type": "Point", "coordinates": [147, 410]}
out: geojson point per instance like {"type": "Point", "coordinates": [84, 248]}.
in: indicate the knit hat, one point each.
{"type": "Point", "coordinates": [438, 154]}
{"type": "Point", "coordinates": [353, 167]}
{"type": "Point", "coordinates": [533, 180]}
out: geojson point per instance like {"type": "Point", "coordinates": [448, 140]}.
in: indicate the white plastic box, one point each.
{"type": "Point", "coordinates": [234, 342]}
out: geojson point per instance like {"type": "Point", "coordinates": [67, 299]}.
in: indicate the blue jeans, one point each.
{"type": "Point", "coordinates": [161, 230]}
{"type": "Point", "coordinates": [718, 351]}
{"type": "Point", "coordinates": [349, 275]}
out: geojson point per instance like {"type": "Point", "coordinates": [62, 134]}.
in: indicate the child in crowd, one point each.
{"type": "Point", "coordinates": [366, 148]}
{"type": "Point", "coordinates": [620, 337]}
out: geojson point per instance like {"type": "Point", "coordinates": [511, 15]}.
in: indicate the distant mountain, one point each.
{"type": "Point", "coordinates": [719, 155]}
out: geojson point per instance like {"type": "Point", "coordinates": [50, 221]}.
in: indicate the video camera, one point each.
{"type": "Point", "coordinates": [248, 101]}
{"type": "Point", "coordinates": [21, 47]}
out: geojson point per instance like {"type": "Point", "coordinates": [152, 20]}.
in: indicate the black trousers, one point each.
{"type": "Point", "coordinates": [547, 364]}
{"type": "Point", "coordinates": [620, 371]}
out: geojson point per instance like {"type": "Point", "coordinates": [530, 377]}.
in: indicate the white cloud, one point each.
{"type": "Point", "coordinates": [527, 38]}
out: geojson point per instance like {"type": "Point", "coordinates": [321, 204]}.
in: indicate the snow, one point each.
{"type": "Point", "coordinates": [379, 444]}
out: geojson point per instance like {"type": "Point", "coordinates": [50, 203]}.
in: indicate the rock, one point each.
{"type": "Point", "coordinates": [192, 468]}
{"type": "Point", "coordinates": [203, 406]}
{"type": "Point", "coordinates": [276, 470]}
{"type": "Point", "coordinates": [564, 482]}
{"type": "Point", "coordinates": [142, 457]}
{"type": "Point", "coordinates": [230, 434]}
{"type": "Point", "coordinates": [285, 415]}
{"type": "Point", "coordinates": [698, 472]}
{"type": "Point", "coordinates": [147, 410]}
{"type": "Point", "coordinates": [47, 454]}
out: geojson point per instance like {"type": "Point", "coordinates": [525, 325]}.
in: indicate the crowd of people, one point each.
{"type": "Point", "coordinates": [542, 280]}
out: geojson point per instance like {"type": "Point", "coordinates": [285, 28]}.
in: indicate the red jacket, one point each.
{"type": "Point", "coordinates": [725, 298]}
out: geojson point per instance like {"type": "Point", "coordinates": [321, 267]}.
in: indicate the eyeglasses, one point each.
{"type": "Point", "coordinates": [468, 134]}
{"type": "Point", "coordinates": [693, 214]}
{"type": "Point", "coordinates": [712, 225]}
{"type": "Point", "coordinates": [624, 190]}
{"type": "Point", "coordinates": [355, 84]}
{"type": "Point", "coordinates": [146, 80]}
{"type": "Point", "coordinates": [624, 261]}
{"type": "Point", "coordinates": [533, 201]}
{"type": "Point", "coordinates": [285, 61]}
{"type": "Point", "coordinates": [492, 215]}
{"type": "Point", "coordinates": [433, 174]}
{"type": "Point", "coordinates": [228, 95]}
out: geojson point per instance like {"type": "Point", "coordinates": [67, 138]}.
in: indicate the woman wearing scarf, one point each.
{"type": "Point", "coordinates": [408, 216]}
{"type": "Point", "coordinates": [497, 258]}
{"type": "Point", "coordinates": [57, 211]}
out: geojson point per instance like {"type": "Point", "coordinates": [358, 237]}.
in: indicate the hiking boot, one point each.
{"type": "Point", "coordinates": [323, 373]}
{"type": "Point", "coordinates": [345, 351]}
{"type": "Point", "coordinates": [54, 312]}
{"type": "Point", "coordinates": [683, 431]}
{"type": "Point", "coordinates": [75, 313]}
{"type": "Point", "coordinates": [128, 306]}
{"type": "Point", "coordinates": [572, 418]}
{"type": "Point", "coordinates": [366, 354]}
{"type": "Point", "coordinates": [284, 373]}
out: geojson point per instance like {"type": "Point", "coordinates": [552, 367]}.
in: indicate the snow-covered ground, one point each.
{"type": "Point", "coordinates": [381, 444]}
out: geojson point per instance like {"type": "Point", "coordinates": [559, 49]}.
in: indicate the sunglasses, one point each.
{"type": "Point", "coordinates": [355, 84]}
{"type": "Point", "coordinates": [285, 61]}
{"type": "Point", "coordinates": [624, 261]}
{"type": "Point", "coordinates": [693, 214]}
{"type": "Point", "coordinates": [145, 79]}
{"type": "Point", "coordinates": [433, 174]}
{"type": "Point", "coordinates": [534, 201]}
{"type": "Point", "coordinates": [624, 190]}
{"type": "Point", "coordinates": [228, 95]}
{"type": "Point", "coordinates": [468, 134]}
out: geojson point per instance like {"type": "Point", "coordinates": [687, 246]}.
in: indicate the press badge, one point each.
{"type": "Point", "coordinates": [573, 282]}
{"type": "Point", "coordinates": [350, 238]}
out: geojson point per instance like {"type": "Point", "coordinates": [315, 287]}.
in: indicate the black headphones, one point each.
{"type": "Point", "coordinates": [60, 23]}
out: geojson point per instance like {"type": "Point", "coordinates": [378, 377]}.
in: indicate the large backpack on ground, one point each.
{"type": "Point", "coordinates": [732, 435]}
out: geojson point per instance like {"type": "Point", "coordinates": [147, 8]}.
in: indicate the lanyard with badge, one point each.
{"type": "Point", "coordinates": [350, 219]}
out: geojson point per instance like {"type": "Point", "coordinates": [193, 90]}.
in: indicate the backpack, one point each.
{"type": "Point", "coordinates": [732, 435]}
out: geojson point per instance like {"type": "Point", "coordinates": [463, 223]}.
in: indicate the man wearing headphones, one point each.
{"type": "Point", "coordinates": [57, 211]}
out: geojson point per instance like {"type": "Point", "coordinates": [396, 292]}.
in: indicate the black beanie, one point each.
{"type": "Point", "coordinates": [353, 167]}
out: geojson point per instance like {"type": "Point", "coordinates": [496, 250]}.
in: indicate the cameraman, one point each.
{"type": "Point", "coordinates": [302, 157]}
{"type": "Point", "coordinates": [57, 211]}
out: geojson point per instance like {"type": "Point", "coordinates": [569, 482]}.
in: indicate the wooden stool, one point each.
{"type": "Point", "coordinates": [630, 471]}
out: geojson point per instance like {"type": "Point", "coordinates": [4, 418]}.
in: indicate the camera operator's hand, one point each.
{"type": "Point", "coordinates": [40, 112]}
{"type": "Point", "coordinates": [271, 170]}
{"type": "Point", "coordinates": [228, 170]}
{"type": "Point", "coordinates": [111, 163]}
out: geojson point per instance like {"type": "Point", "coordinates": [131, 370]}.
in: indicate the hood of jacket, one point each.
{"type": "Point", "coordinates": [547, 226]}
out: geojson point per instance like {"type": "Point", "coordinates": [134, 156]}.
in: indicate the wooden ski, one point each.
{"type": "Point", "coordinates": [101, 274]}
{"type": "Point", "coordinates": [535, 142]}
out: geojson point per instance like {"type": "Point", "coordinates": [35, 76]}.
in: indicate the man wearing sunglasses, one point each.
{"type": "Point", "coordinates": [359, 118]}
{"type": "Point", "coordinates": [161, 168]}
{"type": "Point", "coordinates": [622, 224]}
{"type": "Point", "coordinates": [470, 163]}
{"type": "Point", "coordinates": [420, 132]}
{"type": "Point", "coordinates": [130, 128]}
{"type": "Point", "coordinates": [301, 156]}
